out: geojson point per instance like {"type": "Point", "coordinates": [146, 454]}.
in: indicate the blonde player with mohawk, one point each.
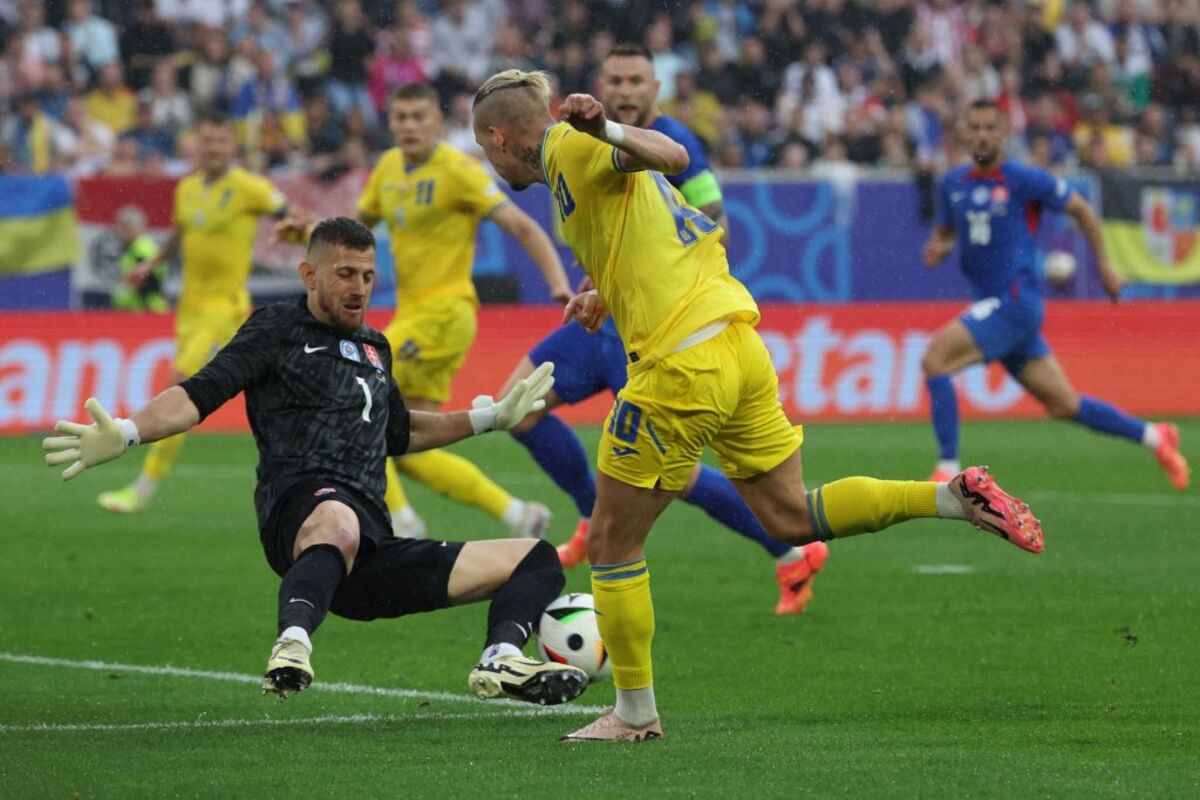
{"type": "Point", "coordinates": [699, 375]}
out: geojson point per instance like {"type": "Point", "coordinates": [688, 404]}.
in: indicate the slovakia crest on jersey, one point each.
{"type": "Point", "coordinates": [1169, 221]}
{"type": "Point", "coordinates": [373, 356]}
{"type": "Point", "coordinates": [350, 350]}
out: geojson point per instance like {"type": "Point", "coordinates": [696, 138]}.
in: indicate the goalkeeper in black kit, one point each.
{"type": "Point", "coordinates": [326, 414]}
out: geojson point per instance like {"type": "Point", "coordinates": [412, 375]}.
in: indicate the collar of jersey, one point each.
{"type": "Point", "coordinates": [994, 173]}
{"type": "Point", "coordinates": [545, 136]}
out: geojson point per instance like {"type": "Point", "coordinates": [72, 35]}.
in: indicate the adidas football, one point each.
{"type": "Point", "coordinates": [1059, 267]}
{"type": "Point", "coordinates": [568, 634]}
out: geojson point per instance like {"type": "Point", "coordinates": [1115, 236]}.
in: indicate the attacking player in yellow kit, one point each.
{"type": "Point", "coordinates": [216, 215]}
{"type": "Point", "coordinates": [699, 375]}
{"type": "Point", "coordinates": [433, 198]}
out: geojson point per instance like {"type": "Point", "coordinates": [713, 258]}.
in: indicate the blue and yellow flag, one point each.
{"type": "Point", "coordinates": [37, 224]}
{"type": "Point", "coordinates": [1150, 227]}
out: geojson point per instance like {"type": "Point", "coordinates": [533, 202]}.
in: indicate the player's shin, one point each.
{"type": "Point", "coordinates": [625, 615]}
{"type": "Point", "coordinates": [518, 604]}
{"type": "Point", "coordinates": [856, 505]}
{"type": "Point", "coordinates": [943, 408]}
{"type": "Point", "coordinates": [558, 451]}
{"type": "Point", "coordinates": [308, 588]}
{"type": "Point", "coordinates": [456, 478]}
{"type": "Point", "coordinates": [162, 456]}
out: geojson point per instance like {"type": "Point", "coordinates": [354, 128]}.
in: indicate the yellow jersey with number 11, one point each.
{"type": "Point", "coordinates": [657, 262]}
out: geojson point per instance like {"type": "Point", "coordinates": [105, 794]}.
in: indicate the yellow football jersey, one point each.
{"type": "Point", "coordinates": [657, 262]}
{"type": "Point", "coordinates": [433, 212]}
{"type": "Point", "coordinates": [218, 222]}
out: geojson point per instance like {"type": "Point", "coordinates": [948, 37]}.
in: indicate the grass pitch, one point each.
{"type": "Point", "coordinates": [934, 661]}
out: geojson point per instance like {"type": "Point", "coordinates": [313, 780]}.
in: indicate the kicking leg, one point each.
{"type": "Point", "coordinates": [1044, 378]}
{"type": "Point", "coordinates": [949, 351]}
{"type": "Point", "coordinates": [795, 567]}
{"type": "Point", "coordinates": [157, 464]}
{"type": "Point", "coordinates": [324, 550]}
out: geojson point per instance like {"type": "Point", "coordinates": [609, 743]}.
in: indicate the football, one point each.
{"type": "Point", "coordinates": [567, 633]}
{"type": "Point", "coordinates": [1059, 267]}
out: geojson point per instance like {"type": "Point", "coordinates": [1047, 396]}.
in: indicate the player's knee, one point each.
{"type": "Point", "coordinates": [1063, 407]}
{"type": "Point", "coordinates": [932, 363]}
{"type": "Point", "coordinates": [343, 537]}
{"type": "Point", "coordinates": [526, 424]}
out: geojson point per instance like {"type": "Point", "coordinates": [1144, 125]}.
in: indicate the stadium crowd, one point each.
{"type": "Point", "coordinates": [112, 86]}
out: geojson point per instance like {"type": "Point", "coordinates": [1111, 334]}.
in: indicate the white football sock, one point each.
{"type": "Point", "coordinates": [501, 650]}
{"type": "Point", "coordinates": [636, 706]}
{"type": "Point", "coordinates": [512, 515]}
{"type": "Point", "coordinates": [1150, 437]}
{"type": "Point", "coordinates": [948, 504]}
{"type": "Point", "coordinates": [951, 465]}
{"type": "Point", "coordinates": [297, 634]}
{"type": "Point", "coordinates": [790, 557]}
{"type": "Point", "coordinates": [145, 487]}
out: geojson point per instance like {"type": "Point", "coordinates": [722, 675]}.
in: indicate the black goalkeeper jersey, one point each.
{"type": "Point", "coordinates": [322, 404]}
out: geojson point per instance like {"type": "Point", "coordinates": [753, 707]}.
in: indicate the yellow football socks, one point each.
{"type": "Point", "coordinates": [162, 457]}
{"type": "Point", "coordinates": [856, 505]}
{"type": "Point", "coordinates": [456, 478]}
{"type": "Point", "coordinates": [394, 494]}
{"type": "Point", "coordinates": [625, 614]}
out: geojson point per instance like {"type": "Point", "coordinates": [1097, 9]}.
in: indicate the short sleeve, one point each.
{"type": "Point", "coordinates": [941, 204]}
{"type": "Point", "coordinates": [478, 193]}
{"type": "Point", "coordinates": [248, 358]}
{"type": "Point", "coordinates": [398, 427]}
{"type": "Point", "coordinates": [1042, 187]}
{"type": "Point", "coordinates": [368, 201]}
{"type": "Point", "coordinates": [262, 196]}
{"type": "Point", "coordinates": [586, 160]}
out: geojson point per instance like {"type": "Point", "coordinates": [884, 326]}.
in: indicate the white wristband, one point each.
{"type": "Point", "coordinates": [482, 414]}
{"type": "Point", "coordinates": [129, 431]}
{"type": "Point", "coordinates": [614, 133]}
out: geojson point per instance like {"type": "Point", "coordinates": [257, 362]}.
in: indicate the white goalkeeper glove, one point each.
{"type": "Point", "coordinates": [525, 398]}
{"type": "Point", "coordinates": [89, 445]}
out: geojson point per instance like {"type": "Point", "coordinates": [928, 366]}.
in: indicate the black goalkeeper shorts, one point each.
{"type": "Point", "coordinates": [391, 577]}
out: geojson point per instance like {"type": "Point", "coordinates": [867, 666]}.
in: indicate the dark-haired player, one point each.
{"type": "Point", "coordinates": [990, 208]}
{"type": "Point", "coordinates": [326, 413]}
{"type": "Point", "coordinates": [216, 214]}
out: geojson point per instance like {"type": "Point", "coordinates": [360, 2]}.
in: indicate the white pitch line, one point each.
{"type": "Point", "coordinates": [943, 569]}
{"type": "Point", "coordinates": [329, 719]}
{"type": "Point", "coordinates": [342, 688]}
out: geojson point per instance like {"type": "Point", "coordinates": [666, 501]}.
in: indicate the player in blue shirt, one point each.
{"type": "Point", "coordinates": [990, 209]}
{"type": "Point", "coordinates": [586, 364]}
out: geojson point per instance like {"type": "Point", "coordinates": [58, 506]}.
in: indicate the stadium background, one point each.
{"type": "Point", "coordinates": [828, 122]}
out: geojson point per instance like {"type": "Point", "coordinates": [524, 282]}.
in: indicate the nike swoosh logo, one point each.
{"type": "Point", "coordinates": [301, 600]}
{"type": "Point", "coordinates": [308, 349]}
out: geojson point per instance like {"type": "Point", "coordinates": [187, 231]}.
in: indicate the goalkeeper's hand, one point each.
{"type": "Point", "coordinates": [525, 398]}
{"type": "Point", "coordinates": [88, 445]}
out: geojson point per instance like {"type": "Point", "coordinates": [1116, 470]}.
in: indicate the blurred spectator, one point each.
{"type": "Point", "coordinates": [20, 70]}
{"type": "Point", "coordinates": [325, 136]}
{"type": "Point", "coordinates": [209, 13]}
{"type": "Point", "coordinates": [462, 42]}
{"type": "Point", "coordinates": [698, 109]}
{"type": "Point", "coordinates": [460, 133]}
{"type": "Point", "coordinates": [94, 38]}
{"type": "Point", "coordinates": [145, 43]}
{"type": "Point", "coordinates": [667, 63]}
{"type": "Point", "coordinates": [943, 25]}
{"type": "Point", "coordinates": [1082, 40]}
{"type": "Point", "coordinates": [1155, 126]}
{"type": "Point", "coordinates": [1098, 141]}
{"type": "Point", "coordinates": [267, 112]}
{"type": "Point", "coordinates": [792, 155]}
{"type": "Point", "coordinates": [893, 151]}
{"type": "Point", "coordinates": [575, 73]}
{"type": "Point", "coordinates": [153, 140]}
{"type": "Point", "coordinates": [126, 158]}
{"type": "Point", "coordinates": [753, 75]}
{"type": "Point", "coordinates": [979, 80]}
{"type": "Point", "coordinates": [28, 134]}
{"type": "Point", "coordinates": [111, 101]}
{"type": "Point", "coordinates": [41, 41]}
{"type": "Point", "coordinates": [782, 31]}
{"type": "Point", "coordinates": [724, 23]}
{"type": "Point", "coordinates": [1045, 130]}
{"type": "Point", "coordinates": [1036, 41]}
{"type": "Point", "coordinates": [84, 143]}
{"type": "Point", "coordinates": [395, 67]}
{"type": "Point", "coordinates": [1010, 100]}
{"type": "Point", "coordinates": [511, 51]}
{"type": "Point", "coordinates": [755, 140]}
{"type": "Point", "coordinates": [350, 48]}
{"type": "Point", "coordinates": [925, 125]}
{"type": "Point", "coordinates": [55, 92]}
{"type": "Point", "coordinates": [420, 35]}
{"type": "Point", "coordinates": [170, 107]}
{"type": "Point", "coordinates": [267, 33]}
{"type": "Point", "coordinates": [1179, 34]}
{"type": "Point", "coordinates": [717, 76]}
{"type": "Point", "coordinates": [214, 75]}
{"type": "Point", "coordinates": [303, 55]}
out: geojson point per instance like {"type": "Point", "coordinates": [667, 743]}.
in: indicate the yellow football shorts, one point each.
{"type": "Point", "coordinates": [429, 343]}
{"type": "Point", "coordinates": [200, 333]}
{"type": "Point", "coordinates": [722, 393]}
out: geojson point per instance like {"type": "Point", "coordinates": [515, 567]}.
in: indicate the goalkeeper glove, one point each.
{"type": "Point", "coordinates": [89, 445]}
{"type": "Point", "coordinates": [525, 398]}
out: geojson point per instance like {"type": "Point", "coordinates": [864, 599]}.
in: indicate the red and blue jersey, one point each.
{"type": "Point", "coordinates": [995, 214]}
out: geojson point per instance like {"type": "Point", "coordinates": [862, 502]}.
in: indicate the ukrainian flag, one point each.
{"type": "Point", "coordinates": [37, 224]}
{"type": "Point", "coordinates": [1150, 227]}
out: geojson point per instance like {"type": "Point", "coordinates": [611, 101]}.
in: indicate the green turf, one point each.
{"type": "Point", "coordinates": [1073, 673]}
